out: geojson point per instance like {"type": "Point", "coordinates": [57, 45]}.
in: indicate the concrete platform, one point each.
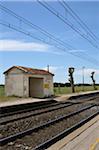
{"type": "Point", "coordinates": [60, 98]}
{"type": "Point", "coordinates": [65, 97]}
{"type": "Point", "coordinates": [23, 101]}
{"type": "Point", "coordinates": [84, 138]}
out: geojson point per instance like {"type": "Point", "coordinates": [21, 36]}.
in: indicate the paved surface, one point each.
{"type": "Point", "coordinates": [84, 138]}
{"type": "Point", "coordinates": [65, 97]}
{"type": "Point", "coordinates": [31, 100]}
{"type": "Point", "coordinates": [22, 101]}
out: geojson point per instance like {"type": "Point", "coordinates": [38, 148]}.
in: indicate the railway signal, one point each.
{"type": "Point", "coordinates": [93, 80]}
{"type": "Point", "coordinates": [71, 80]}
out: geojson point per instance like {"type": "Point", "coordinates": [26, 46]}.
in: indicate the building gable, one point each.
{"type": "Point", "coordinates": [29, 70]}
{"type": "Point", "coordinates": [14, 70]}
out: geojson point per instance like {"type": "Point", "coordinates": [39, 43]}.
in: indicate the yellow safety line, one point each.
{"type": "Point", "coordinates": [92, 147]}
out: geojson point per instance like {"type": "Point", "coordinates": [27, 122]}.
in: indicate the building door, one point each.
{"type": "Point", "coordinates": [36, 87]}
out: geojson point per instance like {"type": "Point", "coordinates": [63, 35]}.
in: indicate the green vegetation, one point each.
{"type": "Point", "coordinates": [67, 90]}
{"type": "Point", "coordinates": [2, 90]}
{"type": "Point", "coordinates": [57, 91]}
{"type": "Point", "coordinates": [3, 97]}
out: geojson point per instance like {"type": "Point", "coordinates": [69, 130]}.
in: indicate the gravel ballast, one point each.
{"type": "Point", "coordinates": [31, 141]}
{"type": "Point", "coordinates": [24, 124]}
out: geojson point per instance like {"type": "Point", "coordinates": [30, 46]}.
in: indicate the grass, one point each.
{"type": "Point", "coordinates": [4, 98]}
{"type": "Point", "coordinates": [57, 91]}
{"type": "Point", "coordinates": [2, 93]}
{"type": "Point", "coordinates": [67, 90]}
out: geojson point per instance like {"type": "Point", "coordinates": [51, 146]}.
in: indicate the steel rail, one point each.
{"type": "Point", "coordinates": [44, 107]}
{"type": "Point", "coordinates": [11, 138]}
{"type": "Point", "coordinates": [85, 95]}
{"type": "Point", "coordinates": [85, 100]}
{"type": "Point", "coordinates": [42, 112]}
{"type": "Point", "coordinates": [24, 108]}
{"type": "Point", "coordinates": [35, 113]}
{"type": "Point", "coordinates": [61, 135]}
{"type": "Point", "coordinates": [10, 110]}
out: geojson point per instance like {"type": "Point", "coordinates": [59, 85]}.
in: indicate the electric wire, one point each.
{"type": "Point", "coordinates": [84, 26]}
{"type": "Point", "coordinates": [59, 41]}
{"type": "Point", "coordinates": [41, 30]}
{"type": "Point", "coordinates": [61, 17]}
{"type": "Point", "coordinates": [78, 20]}
{"type": "Point", "coordinates": [42, 40]}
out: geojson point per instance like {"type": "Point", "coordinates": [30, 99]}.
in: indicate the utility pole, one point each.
{"type": "Point", "coordinates": [48, 68]}
{"type": "Point", "coordinates": [83, 77]}
{"type": "Point", "coordinates": [71, 71]}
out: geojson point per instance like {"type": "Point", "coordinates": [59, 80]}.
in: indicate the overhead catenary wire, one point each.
{"type": "Point", "coordinates": [41, 30]}
{"type": "Point", "coordinates": [9, 25]}
{"type": "Point", "coordinates": [59, 41]}
{"type": "Point", "coordinates": [20, 18]}
{"type": "Point", "coordinates": [78, 19]}
{"type": "Point", "coordinates": [44, 41]}
{"type": "Point", "coordinates": [61, 17]}
{"type": "Point", "coordinates": [46, 33]}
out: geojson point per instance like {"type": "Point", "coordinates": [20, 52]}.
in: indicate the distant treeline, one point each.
{"type": "Point", "coordinates": [56, 84]}
{"type": "Point", "coordinates": [1, 85]}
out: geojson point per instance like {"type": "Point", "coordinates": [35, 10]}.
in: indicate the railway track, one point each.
{"type": "Point", "coordinates": [86, 100]}
{"type": "Point", "coordinates": [29, 122]}
{"type": "Point", "coordinates": [48, 124]}
{"type": "Point", "coordinates": [50, 106]}
{"type": "Point", "coordinates": [86, 96]}
{"type": "Point", "coordinates": [23, 108]}
{"type": "Point", "coordinates": [47, 108]}
{"type": "Point", "coordinates": [61, 135]}
{"type": "Point", "coordinates": [56, 107]}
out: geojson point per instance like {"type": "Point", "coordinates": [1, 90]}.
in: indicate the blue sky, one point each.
{"type": "Point", "coordinates": [19, 49]}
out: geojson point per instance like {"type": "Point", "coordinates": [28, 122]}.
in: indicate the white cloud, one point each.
{"type": "Point", "coordinates": [87, 71]}
{"type": "Point", "coordinates": [53, 69]}
{"type": "Point", "coordinates": [15, 45]}
{"type": "Point", "coordinates": [76, 51]}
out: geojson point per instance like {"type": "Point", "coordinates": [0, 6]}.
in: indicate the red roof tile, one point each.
{"type": "Point", "coordinates": [30, 70]}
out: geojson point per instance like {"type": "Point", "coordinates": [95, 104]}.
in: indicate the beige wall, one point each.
{"type": "Point", "coordinates": [48, 85]}
{"type": "Point", "coordinates": [25, 86]}
{"type": "Point", "coordinates": [14, 83]}
{"type": "Point", "coordinates": [17, 83]}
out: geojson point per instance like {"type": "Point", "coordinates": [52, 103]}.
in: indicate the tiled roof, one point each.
{"type": "Point", "coordinates": [30, 70]}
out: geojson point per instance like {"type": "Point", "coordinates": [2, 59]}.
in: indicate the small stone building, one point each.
{"type": "Point", "coordinates": [28, 82]}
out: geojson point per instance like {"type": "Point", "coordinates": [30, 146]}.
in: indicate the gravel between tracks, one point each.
{"type": "Point", "coordinates": [96, 99]}
{"type": "Point", "coordinates": [24, 124]}
{"type": "Point", "coordinates": [31, 141]}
